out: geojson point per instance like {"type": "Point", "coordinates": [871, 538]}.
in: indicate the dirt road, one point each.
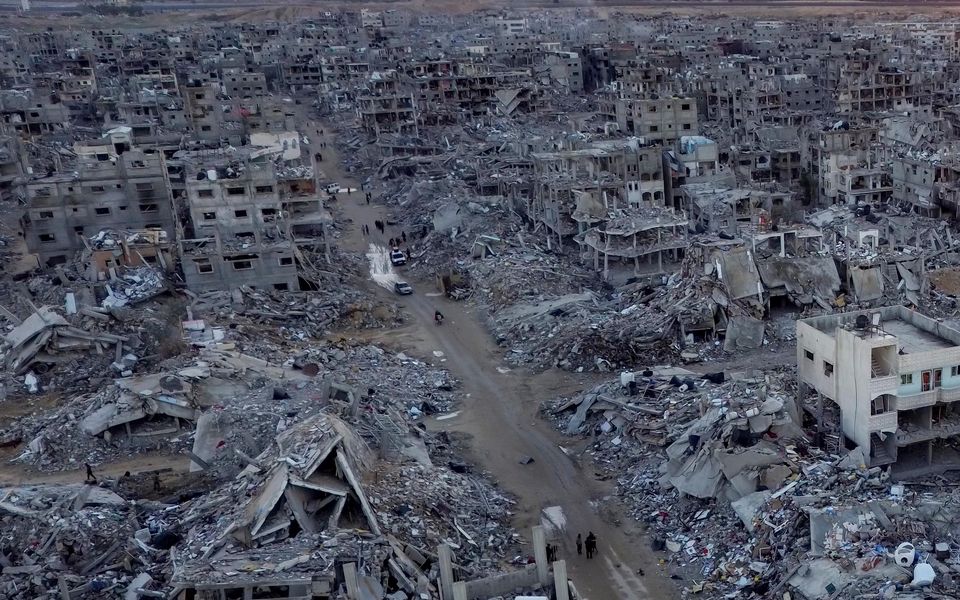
{"type": "Point", "coordinates": [499, 414]}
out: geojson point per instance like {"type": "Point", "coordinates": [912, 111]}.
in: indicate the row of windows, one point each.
{"type": "Point", "coordinates": [653, 107]}
{"type": "Point", "coordinates": [827, 366]}
{"type": "Point", "coordinates": [929, 380]}
{"type": "Point", "coordinates": [237, 191]}
{"type": "Point", "coordinates": [686, 126]}
{"type": "Point", "coordinates": [204, 266]}
{"type": "Point", "coordinates": [102, 210]}
{"type": "Point", "coordinates": [241, 213]}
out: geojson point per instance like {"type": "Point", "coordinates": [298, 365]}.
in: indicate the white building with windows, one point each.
{"type": "Point", "coordinates": [894, 375]}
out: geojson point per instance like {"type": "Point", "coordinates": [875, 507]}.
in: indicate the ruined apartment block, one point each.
{"type": "Point", "coordinates": [892, 374]}
{"type": "Point", "coordinates": [246, 219]}
{"type": "Point", "coordinates": [115, 187]}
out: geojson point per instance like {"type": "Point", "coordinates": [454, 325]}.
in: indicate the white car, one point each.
{"type": "Point", "coordinates": [398, 258]}
{"type": "Point", "coordinates": [332, 188]}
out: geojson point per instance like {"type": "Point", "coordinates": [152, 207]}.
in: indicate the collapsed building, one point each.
{"type": "Point", "coordinates": [609, 191]}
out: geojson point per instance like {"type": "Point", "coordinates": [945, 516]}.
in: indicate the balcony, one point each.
{"type": "Point", "coordinates": [887, 384]}
{"type": "Point", "coordinates": [917, 400]}
{"type": "Point", "coordinates": [949, 394]}
{"type": "Point", "coordinates": [883, 422]}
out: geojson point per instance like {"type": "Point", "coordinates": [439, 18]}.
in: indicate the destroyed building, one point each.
{"type": "Point", "coordinates": [114, 187]}
{"type": "Point", "coordinates": [891, 376]}
{"type": "Point", "coordinates": [192, 292]}
{"type": "Point", "coordinates": [246, 217]}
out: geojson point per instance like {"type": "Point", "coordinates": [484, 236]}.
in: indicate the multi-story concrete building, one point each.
{"type": "Point", "coordinates": [241, 84]}
{"type": "Point", "coordinates": [111, 189]}
{"type": "Point", "coordinates": [33, 112]}
{"type": "Point", "coordinates": [386, 107]}
{"type": "Point", "coordinates": [566, 70]}
{"type": "Point", "coordinates": [847, 179]}
{"type": "Point", "coordinates": [662, 119]}
{"type": "Point", "coordinates": [246, 220]}
{"type": "Point", "coordinates": [893, 376]}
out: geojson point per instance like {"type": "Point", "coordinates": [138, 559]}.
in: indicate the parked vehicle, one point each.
{"type": "Point", "coordinates": [398, 258]}
{"type": "Point", "coordinates": [403, 288]}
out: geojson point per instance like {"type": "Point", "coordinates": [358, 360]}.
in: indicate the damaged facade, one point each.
{"type": "Point", "coordinates": [766, 208]}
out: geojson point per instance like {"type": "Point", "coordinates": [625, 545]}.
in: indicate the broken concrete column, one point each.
{"type": "Point", "coordinates": [350, 579]}
{"type": "Point", "coordinates": [540, 554]}
{"type": "Point", "coordinates": [560, 580]}
{"type": "Point", "coordinates": [460, 590]}
{"type": "Point", "coordinates": [445, 555]}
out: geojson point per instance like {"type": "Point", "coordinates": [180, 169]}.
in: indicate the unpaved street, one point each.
{"type": "Point", "coordinates": [499, 414]}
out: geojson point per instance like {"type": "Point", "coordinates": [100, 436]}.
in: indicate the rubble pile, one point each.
{"type": "Point", "coordinates": [247, 399]}
{"type": "Point", "coordinates": [80, 538]}
{"type": "Point", "coordinates": [741, 502]}
{"type": "Point", "coordinates": [426, 506]}
{"type": "Point", "coordinates": [51, 350]}
{"type": "Point", "coordinates": [79, 430]}
{"type": "Point", "coordinates": [277, 422]}
{"type": "Point", "coordinates": [321, 476]}
{"type": "Point", "coordinates": [133, 285]}
{"type": "Point", "coordinates": [587, 331]}
{"type": "Point", "coordinates": [296, 315]}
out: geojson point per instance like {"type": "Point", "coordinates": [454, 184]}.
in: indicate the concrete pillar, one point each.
{"type": "Point", "coordinates": [560, 580]}
{"type": "Point", "coordinates": [540, 554]}
{"type": "Point", "coordinates": [446, 571]}
{"type": "Point", "coordinates": [350, 579]}
{"type": "Point", "coordinates": [460, 590]}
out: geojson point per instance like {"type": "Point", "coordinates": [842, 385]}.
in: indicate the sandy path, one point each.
{"type": "Point", "coordinates": [499, 415]}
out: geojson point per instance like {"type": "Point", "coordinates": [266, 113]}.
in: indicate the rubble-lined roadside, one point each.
{"type": "Point", "coordinates": [740, 501]}
{"type": "Point", "coordinates": [414, 487]}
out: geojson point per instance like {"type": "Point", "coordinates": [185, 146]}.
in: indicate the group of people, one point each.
{"type": "Point", "coordinates": [590, 543]}
{"type": "Point", "coordinates": [126, 477]}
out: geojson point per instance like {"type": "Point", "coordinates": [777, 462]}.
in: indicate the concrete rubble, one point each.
{"type": "Point", "coordinates": [418, 495]}
{"type": "Point", "coordinates": [197, 321]}
{"type": "Point", "coordinates": [739, 500]}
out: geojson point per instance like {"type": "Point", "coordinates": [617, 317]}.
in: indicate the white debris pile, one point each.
{"type": "Point", "coordinates": [134, 285]}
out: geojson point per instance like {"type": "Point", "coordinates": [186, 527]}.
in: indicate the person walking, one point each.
{"type": "Point", "coordinates": [591, 545]}
{"type": "Point", "coordinates": [90, 476]}
{"type": "Point", "coordinates": [579, 545]}
{"type": "Point", "coordinates": [403, 234]}
{"type": "Point", "coordinates": [156, 482]}
{"type": "Point", "coordinates": [368, 197]}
